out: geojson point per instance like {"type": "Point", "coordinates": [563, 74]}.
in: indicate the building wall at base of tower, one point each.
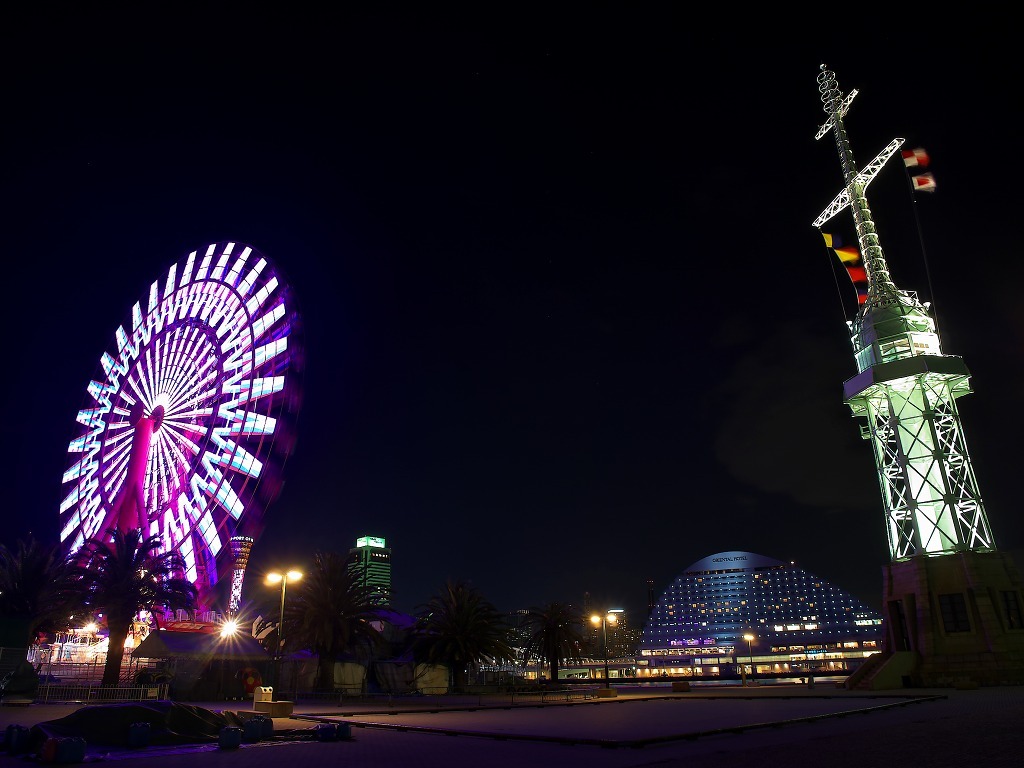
{"type": "Point", "coordinates": [962, 615]}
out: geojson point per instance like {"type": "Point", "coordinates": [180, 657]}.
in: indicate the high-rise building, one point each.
{"type": "Point", "coordinates": [621, 638]}
{"type": "Point", "coordinates": [370, 563]}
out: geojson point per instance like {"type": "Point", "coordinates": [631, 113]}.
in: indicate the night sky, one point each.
{"type": "Point", "coordinates": [567, 324]}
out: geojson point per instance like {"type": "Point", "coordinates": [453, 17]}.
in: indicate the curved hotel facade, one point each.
{"type": "Point", "coordinates": [734, 609]}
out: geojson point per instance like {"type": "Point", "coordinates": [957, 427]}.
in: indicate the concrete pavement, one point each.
{"type": "Point", "coordinates": [773, 725]}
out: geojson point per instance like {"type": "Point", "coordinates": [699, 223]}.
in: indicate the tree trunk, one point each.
{"type": "Point", "coordinates": [117, 631]}
{"type": "Point", "coordinates": [459, 677]}
{"type": "Point", "coordinates": [552, 651]}
{"type": "Point", "coordinates": [325, 672]}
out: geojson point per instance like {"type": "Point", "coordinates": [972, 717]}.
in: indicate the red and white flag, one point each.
{"type": "Point", "coordinates": [923, 182]}
{"type": "Point", "coordinates": [915, 157]}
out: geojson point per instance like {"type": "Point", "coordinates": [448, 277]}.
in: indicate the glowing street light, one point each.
{"type": "Point", "coordinates": [750, 639]}
{"type": "Point", "coordinates": [282, 579]}
{"type": "Point", "coordinates": [609, 618]}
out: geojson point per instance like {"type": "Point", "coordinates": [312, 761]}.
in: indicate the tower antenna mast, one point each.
{"type": "Point", "coordinates": [906, 388]}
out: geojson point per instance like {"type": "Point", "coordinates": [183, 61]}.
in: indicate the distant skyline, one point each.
{"type": "Point", "coordinates": [568, 326]}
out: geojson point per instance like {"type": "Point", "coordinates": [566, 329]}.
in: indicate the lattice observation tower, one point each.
{"type": "Point", "coordinates": [952, 602]}
{"type": "Point", "coordinates": [906, 388]}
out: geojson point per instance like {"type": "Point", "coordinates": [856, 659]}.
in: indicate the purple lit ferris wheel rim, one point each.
{"type": "Point", "coordinates": [186, 426]}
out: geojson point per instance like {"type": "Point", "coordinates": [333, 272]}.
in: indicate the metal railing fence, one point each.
{"type": "Point", "coordinates": [93, 694]}
{"type": "Point", "coordinates": [63, 680]}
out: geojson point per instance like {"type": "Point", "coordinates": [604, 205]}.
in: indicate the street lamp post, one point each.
{"type": "Point", "coordinates": [750, 639]}
{"type": "Point", "coordinates": [603, 621]}
{"type": "Point", "coordinates": [282, 579]}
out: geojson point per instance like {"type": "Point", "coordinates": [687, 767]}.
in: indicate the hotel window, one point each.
{"type": "Point", "coordinates": [953, 608]}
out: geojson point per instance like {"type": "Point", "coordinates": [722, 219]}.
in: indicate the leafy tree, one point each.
{"type": "Point", "coordinates": [123, 574]}
{"type": "Point", "coordinates": [36, 593]}
{"type": "Point", "coordinates": [331, 614]}
{"type": "Point", "coordinates": [554, 635]}
{"type": "Point", "coordinates": [458, 627]}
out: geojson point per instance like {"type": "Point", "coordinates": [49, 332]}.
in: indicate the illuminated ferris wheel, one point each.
{"type": "Point", "coordinates": [186, 428]}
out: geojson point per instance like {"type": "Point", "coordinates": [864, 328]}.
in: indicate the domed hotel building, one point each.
{"type": "Point", "coordinates": [734, 610]}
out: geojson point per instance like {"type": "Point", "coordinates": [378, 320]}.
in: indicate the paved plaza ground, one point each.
{"type": "Point", "coordinates": [791, 726]}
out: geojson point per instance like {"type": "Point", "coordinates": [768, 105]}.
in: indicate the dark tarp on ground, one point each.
{"type": "Point", "coordinates": [168, 645]}
{"type": "Point", "coordinates": [171, 723]}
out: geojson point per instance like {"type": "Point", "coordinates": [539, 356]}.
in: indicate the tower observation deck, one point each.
{"type": "Point", "coordinates": [952, 602]}
{"type": "Point", "coordinates": [906, 388]}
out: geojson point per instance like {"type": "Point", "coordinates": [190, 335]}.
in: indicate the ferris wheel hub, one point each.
{"type": "Point", "coordinates": [157, 417]}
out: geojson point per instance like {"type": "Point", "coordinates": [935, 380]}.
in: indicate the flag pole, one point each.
{"type": "Point", "coordinates": [920, 238]}
{"type": "Point", "coordinates": [835, 277]}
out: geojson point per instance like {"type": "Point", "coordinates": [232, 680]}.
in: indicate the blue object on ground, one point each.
{"type": "Point", "coordinates": [63, 749]}
{"type": "Point", "coordinates": [230, 737]}
{"type": "Point", "coordinates": [252, 730]}
{"type": "Point", "coordinates": [326, 732]}
{"type": "Point", "coordinates": [16, 739]}
{"type": "Point", "coordinates": [268, 726]}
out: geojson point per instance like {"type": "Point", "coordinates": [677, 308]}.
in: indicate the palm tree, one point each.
{"type": "Point", "coordinates": [35, 590]}
{"type": "Point", "coordinates": [459, 627]}
{"type": "Point", "coordinates": [123, 574]}
{"type": "Point", "coordinates": [331, 614]}
{"type": "Point", "coordinates": [555, 635]}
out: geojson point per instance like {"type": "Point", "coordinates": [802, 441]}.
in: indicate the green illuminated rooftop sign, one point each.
{"type": "Point", "coordinates": [369, 541]}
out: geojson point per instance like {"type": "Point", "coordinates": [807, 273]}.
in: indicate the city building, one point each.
{"type": "Point", "coordinates": [370, 563]}
{"type": "Point", "coordinates": [622, 636]}
{"type": "Point", "coordinates": [735, 610]}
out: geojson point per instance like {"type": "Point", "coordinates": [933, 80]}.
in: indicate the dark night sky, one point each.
{"type": "Point", "coordinates": [567, 324]}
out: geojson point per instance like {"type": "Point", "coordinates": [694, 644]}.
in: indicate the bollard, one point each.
{"type": "Point", "coordinates": [16, 739]}
{"type": "Point", "coordinates": [230, 737]}
{"type": "Point", "coordinates": [252, 729]}
{"type": "Point", "coordinates": [63, 750]}
{"type": "Point", "coordinates": [326, 732]}
{"type": "Point", "coordinates": [267, 731]}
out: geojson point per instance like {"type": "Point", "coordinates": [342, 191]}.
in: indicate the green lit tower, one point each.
{"type": "Point", "coordinates": [952, 601]}
{"type": "Point", "coordinates": [370, 563]}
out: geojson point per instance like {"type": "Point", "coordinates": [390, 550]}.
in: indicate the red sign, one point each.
{"type": "Point", "coordinates": [193, 626]}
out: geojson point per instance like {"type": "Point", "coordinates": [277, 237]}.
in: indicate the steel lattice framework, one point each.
{"type": "Point", "coordinates": [906, 388]}
{"type": "Point", "coordinates": [186, 427]}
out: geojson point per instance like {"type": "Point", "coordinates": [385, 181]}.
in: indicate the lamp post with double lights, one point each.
{"type": "Point", "coordinates": [750, 639]}
{"type": "Point", "coordinates": [281, 578]}
{"type": "Point", "coordinates": [609, 617]}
